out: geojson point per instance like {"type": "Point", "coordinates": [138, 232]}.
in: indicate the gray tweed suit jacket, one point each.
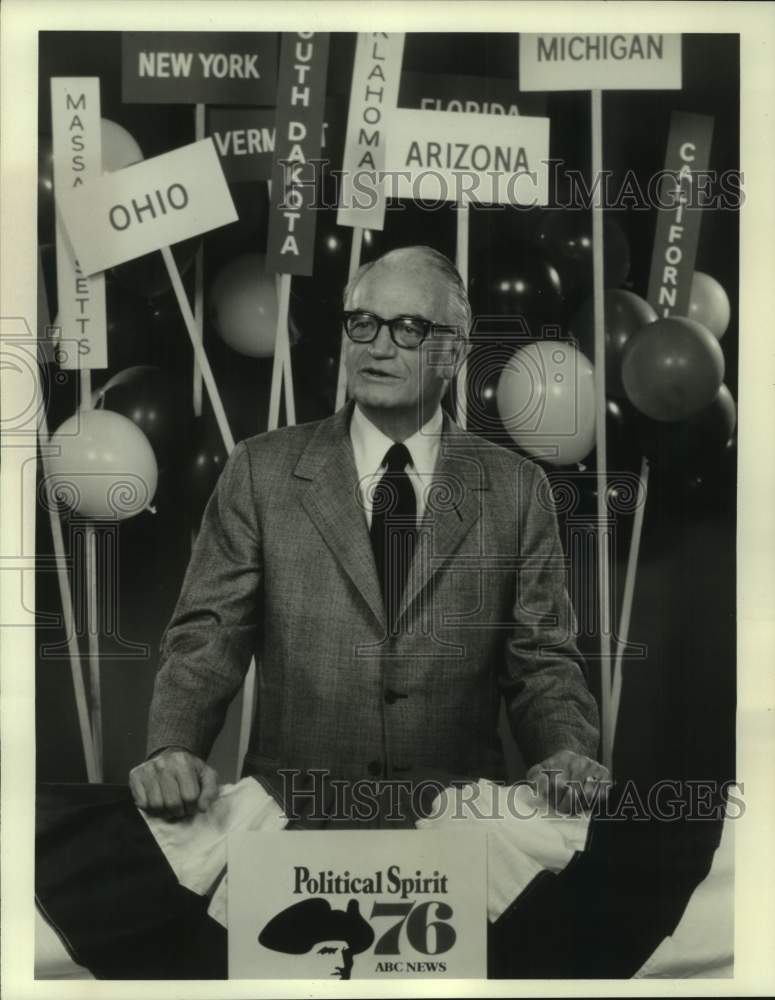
{"type": "Point", "coordinates": [283, 570]}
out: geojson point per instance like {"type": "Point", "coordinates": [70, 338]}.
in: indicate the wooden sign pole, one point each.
{"type": "Point", "coordinates": [463, 220]}
{"type": "Point", "coordinates": [623, 631]}
{"type": "Point", "coordinates": [199, 130]}
{"type": "Point", "coordinates": [199, 352]}
{"type": "Point", "coordinates": [66, 597]}
{"type": "Point", "coordinates": [603, 553]}
{"type": "Point", "coordinates": [92, 611]}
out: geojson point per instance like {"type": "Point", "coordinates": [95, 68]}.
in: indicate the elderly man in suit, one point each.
{"type": "Point", "coordinates": [394, 576]}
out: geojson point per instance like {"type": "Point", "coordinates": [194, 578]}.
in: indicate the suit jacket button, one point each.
{"type": "Point", "coordinates": [375, 768]}
{"type": "Point", "coordinates": [391, 696]}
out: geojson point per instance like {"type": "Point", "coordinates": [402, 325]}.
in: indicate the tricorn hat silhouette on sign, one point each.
{"type": "Point", "coordinates": [296, 929]}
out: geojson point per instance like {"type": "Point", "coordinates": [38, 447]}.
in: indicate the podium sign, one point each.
{"type": "Point", "coordinates": [358, 904]}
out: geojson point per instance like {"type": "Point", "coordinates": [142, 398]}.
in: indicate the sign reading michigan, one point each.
{"type": "Point", "coordinates": [357, 905]}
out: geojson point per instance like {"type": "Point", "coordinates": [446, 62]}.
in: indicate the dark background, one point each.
{"type": "Point", "coordinates": [677, 716]}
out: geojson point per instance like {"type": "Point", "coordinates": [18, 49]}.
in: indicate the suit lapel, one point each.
{"type": "Point", "coordinates": [453, 507]}
{"type": "Point", "coordinates": [332, 503]}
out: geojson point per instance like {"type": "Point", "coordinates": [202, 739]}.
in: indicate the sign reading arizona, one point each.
{"type": "Point", "coordinates": [437, 156]}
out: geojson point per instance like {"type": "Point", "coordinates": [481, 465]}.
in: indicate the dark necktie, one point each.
{"type": "Point", "coordinates": [393, 528]}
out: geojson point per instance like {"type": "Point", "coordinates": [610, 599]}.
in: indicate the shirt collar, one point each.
{"type": "Point", "coordinates": [370, 444]}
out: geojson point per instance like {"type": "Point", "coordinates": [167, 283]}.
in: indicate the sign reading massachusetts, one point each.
{"type": "Point", "coordinates": [76, 128]}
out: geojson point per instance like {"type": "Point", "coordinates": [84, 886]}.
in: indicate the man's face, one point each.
{"type": "Point", "coordinates": [382, 375]}
{"type": "Point", "coordinates": [330, 958]}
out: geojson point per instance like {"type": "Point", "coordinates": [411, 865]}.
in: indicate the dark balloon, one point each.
{"type": "Point", "coordinates": [625, 314]}
{"type": "Point", "coordinates": [623, 452]}
{"type": "Point", "coordinates": [206, 462]}
{"type": "Point", "coordinates": [170, 343]}
{"type": "Point", "coordinates": [695, 445]}
{"type": "Point", "coordinates": [672, 369]}
{"type": "Point", "coordinates": [248, 234]}
{"type": "Point", "coordinates": [315, 376]}
{"type": "Point", "coordinates": [565, 238]}
{"type": "Point", "coordinates": [251, 199]}
{"type": "Point", "coordinates": [158, 402]}
{"type": "Point", "coordinates": [131, 333]}
{"type": "Point", "coordinates": [147, 276]}
{"type": "Point", "coordinates": [525, 290]}
{"type": "Point", "coordinates": [316, 301]}
{"type": "Point", "coordinates": [408, 224]}
{"type": "Point", "coordinates": [48, 263]}
{"type": "Point", "coordinates": [486, 361]}
{"type": "Point", "coordinates": [46, 218]}
{"type": "Point", "coordinates": [332, 260]}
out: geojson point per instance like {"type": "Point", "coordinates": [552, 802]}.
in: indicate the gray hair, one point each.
{"type": "Point", "coordinates": [458, 303]}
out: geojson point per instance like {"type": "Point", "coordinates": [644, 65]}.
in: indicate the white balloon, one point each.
{"type": "Point", "coordinates": [243, 305]}
{"type": "Point", "coordinates": [105, 466]}
{"type": "Point", "coordinates": [119, 148]}
{"type": "Point", "coordinates": [546, 400]}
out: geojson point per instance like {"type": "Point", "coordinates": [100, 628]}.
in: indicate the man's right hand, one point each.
{"type": "Point", "coordinates": [173, 784]}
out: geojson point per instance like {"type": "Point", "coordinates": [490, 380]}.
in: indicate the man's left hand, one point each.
{"type": "Point", "coordinates": [569, 781]}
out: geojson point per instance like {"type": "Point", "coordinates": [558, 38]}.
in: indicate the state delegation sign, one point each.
{"type": "Point", "coordinates": [150, 205]}
{"type": "Point", "coordinates": [474, 94]}
{"type": "Point", "coordinates": [192, 67]}
{"type": "Point", "coordinates": [82, 336]}
{"type": "Point", "coordinates": [245, 140]}
{"type": "Point", "coordinates": [373, 95]}
{"type": "Point", "coordinates": [599, 62]}
{"type": "Point", "coordinates": [450, 156]}
{"type": "Point", "coordinates": [679, 218]}
{"type": "Point", "coordinates": [298, 130]}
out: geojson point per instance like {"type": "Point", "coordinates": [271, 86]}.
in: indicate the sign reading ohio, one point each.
{"type": "Point", "coordinates": [147, 206]}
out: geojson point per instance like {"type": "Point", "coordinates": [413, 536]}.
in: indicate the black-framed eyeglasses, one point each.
{"type": "Point", "coordinates": [405, 331]}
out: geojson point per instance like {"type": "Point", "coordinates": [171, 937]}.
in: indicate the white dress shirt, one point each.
{"type": "Point", "coordinates": [370, 446]}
